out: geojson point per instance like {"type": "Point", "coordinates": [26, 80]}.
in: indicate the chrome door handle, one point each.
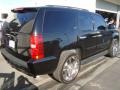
{"type": "Point", "coordinates": [97, 32]}
{"type": "Point", "coordinates": [83, 37]}
{"type": "Point", "coordinates": [97, 35]}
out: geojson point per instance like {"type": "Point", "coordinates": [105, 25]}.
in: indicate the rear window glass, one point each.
{"type": "Point", "coordinates": [22, 16]}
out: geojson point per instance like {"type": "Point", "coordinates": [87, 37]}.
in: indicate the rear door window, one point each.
{"type": "Point", "coordinates": [85, 21]}
{"type": "Point", "coordinates": [99, 23]}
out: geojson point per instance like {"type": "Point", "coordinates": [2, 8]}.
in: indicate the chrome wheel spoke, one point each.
{"type": "Point", "coordinates": [71, 68]}
{"type": "Point", "coordinates": [115, 48]}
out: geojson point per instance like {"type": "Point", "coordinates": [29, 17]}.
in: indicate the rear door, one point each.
{"type": "Point", "coordinates": [104, 36]}
{"type": "Point", "coordinates": [87, 34]}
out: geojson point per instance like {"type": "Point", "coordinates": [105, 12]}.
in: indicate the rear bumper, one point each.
{"type": "Point", "coordinates": [31, 67]}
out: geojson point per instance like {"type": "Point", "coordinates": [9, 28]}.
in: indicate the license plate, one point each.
{"type": "Point", "coordinates": [12, 43]}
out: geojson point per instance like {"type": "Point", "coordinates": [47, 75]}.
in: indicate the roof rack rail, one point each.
{"type": "Point", "coordinates": [60, 6]}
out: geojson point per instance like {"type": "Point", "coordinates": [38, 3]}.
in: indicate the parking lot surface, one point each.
{"type": "Point", "coordinates": [100, 74]}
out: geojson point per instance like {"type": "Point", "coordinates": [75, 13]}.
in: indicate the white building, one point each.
{"type": "Point", "coordinates": [108, 8]}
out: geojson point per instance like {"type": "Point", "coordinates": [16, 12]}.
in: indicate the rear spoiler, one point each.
{"type": "Point", "coordinates": [22, 10]}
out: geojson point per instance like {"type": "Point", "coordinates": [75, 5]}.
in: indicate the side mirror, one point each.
{"type": "Point", "coordinates": [101, 28]}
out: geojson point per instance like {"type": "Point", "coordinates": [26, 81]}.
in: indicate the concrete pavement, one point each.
{"type": "Point", "coordinates": [94, 72]}
{"type": "Point", "coordinates": [107, 80]}
{"type": "Point", "coordinates": [84, 77]}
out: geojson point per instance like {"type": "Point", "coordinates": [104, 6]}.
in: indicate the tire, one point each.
{"type": "Point", "coordinates": [114, 47]}
{"type": "Point", "coordinates": [68, 66]}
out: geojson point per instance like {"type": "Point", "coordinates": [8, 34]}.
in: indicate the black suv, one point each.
{"type": "Point", "coordinates": [55, 40]}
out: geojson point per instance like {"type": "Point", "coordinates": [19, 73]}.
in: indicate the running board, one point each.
{"type": "Point", "coordinates": [94, 57]}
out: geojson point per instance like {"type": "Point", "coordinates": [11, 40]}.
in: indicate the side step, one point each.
{"type": "Point", "coordinates": [89, 59]}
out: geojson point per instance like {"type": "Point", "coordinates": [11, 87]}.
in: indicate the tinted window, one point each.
{"type": "Point", "coordinates": [22, 16]}
{"type": "Point", "coordinates": [99, 23]}
{"type": "Point", "coordinates": [25, 17]}
{"type": "Point", "coordinates": [58, 20]}
{"type": "Point", "coordinates": [85, 21]}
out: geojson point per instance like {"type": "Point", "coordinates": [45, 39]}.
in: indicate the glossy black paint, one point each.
{"type": "Point", "coordinates": [30, 67]}
{"type": "Point", "coordinates": [64, 29]}
{"type": "Point", "coordinates": [47, 64]}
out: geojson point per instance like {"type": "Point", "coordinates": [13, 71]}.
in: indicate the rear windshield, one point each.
{"type": "Point", "coordinates": [22, 16]}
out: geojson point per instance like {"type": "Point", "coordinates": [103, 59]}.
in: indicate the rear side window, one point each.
{"type": "Point", "coordinates": [99, 23]}
{"type": "Point", "coordinates": [57, 20]}
{"type": "Point", "coordinates": [85, 21]}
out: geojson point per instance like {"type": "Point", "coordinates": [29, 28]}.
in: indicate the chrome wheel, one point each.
{"type": "Point", "coordinates": [115, 48]}
{"type": "Point", "coordinates": [71, 68]}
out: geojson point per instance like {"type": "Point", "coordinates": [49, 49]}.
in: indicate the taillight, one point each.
{"type": "Point", "coordinates": [36, 47]}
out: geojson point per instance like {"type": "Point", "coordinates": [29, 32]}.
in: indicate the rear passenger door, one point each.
{"type": "Point", "coordinates": [104, 36]}
{"type": "Point", "coordinates": [87, 34]}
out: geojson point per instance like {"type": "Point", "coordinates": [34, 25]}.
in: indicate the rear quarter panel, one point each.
{"type": "Point", "coordinates": [59, 30]}
{"type": "Point", "coordinates": [54, 42]}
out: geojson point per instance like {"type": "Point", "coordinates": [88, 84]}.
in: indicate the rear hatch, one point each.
{"type": "Point", "coordinates": [17, 39]}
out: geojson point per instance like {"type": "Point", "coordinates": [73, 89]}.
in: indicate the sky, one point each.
{"type": "Point", "coordinates": [7, 5]}
{"type": "Point", "coordinates": [14, 3]}
{"type": "Point", "coordinates": [10, 4]}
